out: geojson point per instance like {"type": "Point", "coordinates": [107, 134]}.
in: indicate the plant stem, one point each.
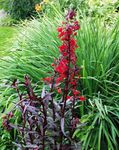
{"type": "Point", "coordinates": [66, 89]}
{"type": "Point", "coordinates": [44, 126]}
{"type": "Point", "coordinates": [53, 109]}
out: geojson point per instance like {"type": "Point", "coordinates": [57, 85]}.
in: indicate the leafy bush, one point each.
{"type": "Point", "coordinates": [19, 9]}
{"type": "Point", "coordinates": [7, 21]}
{"type": "Point", "coordinates": [108, 10]}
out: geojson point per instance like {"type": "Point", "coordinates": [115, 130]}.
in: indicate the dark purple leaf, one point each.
{"type": "Point", "coordinates": [43, 93]}
{"type": "Point", "coordinates": [62, 126]}
{"type": "Point", "coordinates": [31, 146]}
{"type": "Point", "coordinates": [32, 109]}
{"type": "Point", "coordinates": [18, 145]}
{"type": "Point", "coordinates": [57, 106]}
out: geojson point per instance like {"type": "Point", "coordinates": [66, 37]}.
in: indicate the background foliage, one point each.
{"type": "Point", "coordinates": [19, 9]}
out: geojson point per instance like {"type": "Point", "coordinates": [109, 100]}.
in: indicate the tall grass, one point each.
{"type": "Point", "coordinates": [98, 54]}
{"type": "Point", "coordinates": [101, 129]}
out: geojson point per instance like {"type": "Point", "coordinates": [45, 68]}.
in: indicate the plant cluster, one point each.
{"type": "Point", "coordinates": [19, 9]}
{"type": "Point", "coordinates": [47, 123]}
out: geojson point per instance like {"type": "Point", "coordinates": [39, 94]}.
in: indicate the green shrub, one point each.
{"type": "Point", "coordinates": [100, 130]}
{"type": "Point", "coordinates": [19, 9]}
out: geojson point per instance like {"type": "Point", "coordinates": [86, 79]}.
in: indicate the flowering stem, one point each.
{"type": "Point", "coordinates": [66, 88]}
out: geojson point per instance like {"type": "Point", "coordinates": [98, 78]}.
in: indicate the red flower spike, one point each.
{"type": "Point", "coordinates": [65, 68]}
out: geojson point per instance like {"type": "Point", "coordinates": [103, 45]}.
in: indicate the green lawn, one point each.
{"type": "Point", "coordinates": [6, 39]}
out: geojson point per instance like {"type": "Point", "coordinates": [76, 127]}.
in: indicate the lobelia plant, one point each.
{"type": "Point", "coordinates": [48, 123]}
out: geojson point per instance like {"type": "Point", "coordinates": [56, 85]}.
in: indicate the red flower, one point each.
{"type": "Point", "coordinates": [82, 98]}
{"type": "Point", "coordinates": [75, 33]}
{"type": "Point", "coordinates": [47, 79]}
{"type": "Point", "coordinates": [52, 64]}
{"type": "Point", "coordinates": [76, 25]}
{"type": "Point", "coordinates": [65, 67]}
{"type": "Point", "coordinates": [69, 31]}
{"type": "Point", "coordinates": [60, 29]}
{"type": "Point", "coordinates": [73, 83]}
{"type": "Point", "coordinates": [73, 59]}
{"type": "Point", "coordinates": [59, 90]}
{"type": "Point", "coordinates": [63, 47]}
{"type": "Point", "coordinates": [61, 34]}
{"type": "Point", "coordinates": [69, 97]}
{"type": "Point", "coordinates": [62, 67]}
{"type": "Point", "coordinates": [58, 80]}
{"type": "Point", "coordinates": [72, 43]}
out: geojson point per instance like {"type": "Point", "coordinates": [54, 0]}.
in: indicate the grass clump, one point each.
{"type": "Point", "coordinates": [6, 39]}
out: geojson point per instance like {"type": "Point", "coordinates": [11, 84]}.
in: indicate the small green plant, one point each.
{"type": "Point", "coordinates": [100, 129]}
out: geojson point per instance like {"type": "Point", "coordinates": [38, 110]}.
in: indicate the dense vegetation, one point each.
{"type": "Point", "coordinates": [98, 55]}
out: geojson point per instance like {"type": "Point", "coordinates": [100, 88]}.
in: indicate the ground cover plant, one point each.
{"type": "Point", "coordinates": [47, 123]}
